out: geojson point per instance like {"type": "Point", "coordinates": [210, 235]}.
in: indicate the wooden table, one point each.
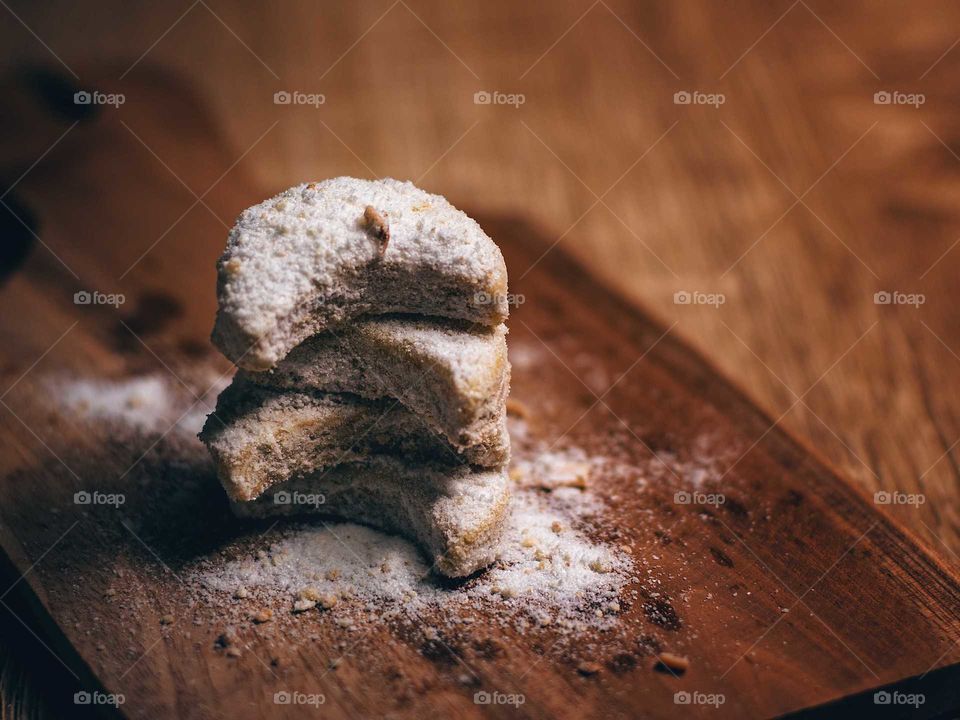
{"type": "Point", "coordinates": [795, 195]}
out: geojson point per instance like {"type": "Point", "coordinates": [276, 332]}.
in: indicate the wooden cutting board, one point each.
{"type": "Point", "coordinates": [797, 593]}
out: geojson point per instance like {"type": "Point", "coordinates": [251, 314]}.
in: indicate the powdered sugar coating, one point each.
{"type": "Point", "coordinates": [455, 514]}
{"type": "Point", "coordinates": [259, 437]}
{"type": "Point", "coordinates": [454, 375]}
{"type": "Point", "coordinates": [303, 261]}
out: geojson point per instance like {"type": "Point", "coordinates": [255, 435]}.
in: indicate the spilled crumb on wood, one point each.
{"type": "Point", "coordinates": [327, 600]}
{"type": "Point", "coordinates": [671, 662]}
{"type": "Point", "coordinates": [303, 605]}
{"type": "Point", "coordinates": [263, 616]}
{"type": "Point", "coordinates": [589, 668]}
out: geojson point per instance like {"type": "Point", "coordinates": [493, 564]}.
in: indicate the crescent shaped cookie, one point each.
{"type": "Point", "coordinates": [321, 254]}
{"type": "Point", "coordinates": [453, 375]}
{"type": "Point", "coordinates": [260, 437]}
{"type": "Point", "coordinates": [455, 515]}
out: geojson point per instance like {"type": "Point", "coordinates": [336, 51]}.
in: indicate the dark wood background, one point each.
{"type": "Point", "coordinates": [798, 198]}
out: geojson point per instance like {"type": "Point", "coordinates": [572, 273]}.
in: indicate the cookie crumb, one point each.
{"type": "Point", "coordinates": [263, 616]}
{"type": "Point", "coordinates": [232, 266]}
{"type": "Point", "coordinates": [167, 620]}
{"type": "Point", "coordinates": [374, 223]}
{"type": "Point", "coordinates": [671, 662]}
{"type": "Point", "coordinates": [589, 668]}
{"type": "Point", "coordinates": [309, 593]}
{"type": "Point", "coordinates": [233, 652]}
{"type": "Point", "coordinates": [571, 474]}
{"type": "Point", "coordinates": [327, 600]}
{"type": "Point", "coordinates": [517, 408]}
{"type": "Point", "coordinates": [600, 566]}
{"type": "Point", "coordinates": [303, 605]}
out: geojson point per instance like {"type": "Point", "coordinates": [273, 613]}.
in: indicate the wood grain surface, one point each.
{"type": "Point", "coordinates": [798, 198]}
{"type": "Point", "coordinates": [784, 596]}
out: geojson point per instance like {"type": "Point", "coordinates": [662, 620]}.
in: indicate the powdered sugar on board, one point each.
{"type": "Point", "coordinates": [549, 572]}
{"type": "Point", "coordinates": [579, 576]}
{"type": "Point", "coordinates": [148, 403]}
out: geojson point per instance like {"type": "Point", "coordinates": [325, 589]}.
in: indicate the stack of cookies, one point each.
{"type": "Point", "coordinates": [366, 318]}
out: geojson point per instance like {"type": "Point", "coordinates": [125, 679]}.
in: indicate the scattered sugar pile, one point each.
{"type": "Point", "coordinates": [549, 572]}
{"type": "Point", "coordinates": [140, 402]}
{"type": "Point", "coordinates": [705, 464]}
{"type": "Point", "coordinates": [148, 403]}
